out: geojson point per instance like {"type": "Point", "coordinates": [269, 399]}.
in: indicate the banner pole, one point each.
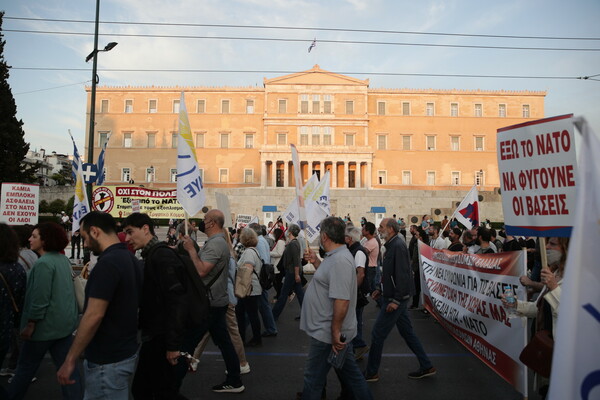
{"type": "Point", "coordinates": [185, 221]}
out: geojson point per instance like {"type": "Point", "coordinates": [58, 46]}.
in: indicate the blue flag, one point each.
{"type": "Point", "coordinates": [100, 164]}
{"type": "Point", "coordinates": [75, 159]}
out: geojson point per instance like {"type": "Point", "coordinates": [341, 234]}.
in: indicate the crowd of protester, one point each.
{"type": "Point", "coordinates": [137, 287]}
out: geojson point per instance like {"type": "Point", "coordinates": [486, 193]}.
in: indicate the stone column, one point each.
{"type": "Point", "coordinates": [273, 169]}
{"type": "Point", "coordinates": [334, 174]}
{"type": "Point", "coordinates": [286, 168]}
{"type": "Point", "coordinates": [346, 174]}
{"type": "Point", "coordinates": [369, 174]}
{"type": "Point", "coordinates": [357, 175]}
{"type": "Point", "coordinates": [263, 174]}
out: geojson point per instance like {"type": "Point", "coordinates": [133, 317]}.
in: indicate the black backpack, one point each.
{"type": "Point", "coordinates": [266, 277]}
{"type": "Point", "coordinates": [197, 293]}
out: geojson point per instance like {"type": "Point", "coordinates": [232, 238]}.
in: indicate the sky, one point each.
{"type": "Point", "coordinates": [49, 72]}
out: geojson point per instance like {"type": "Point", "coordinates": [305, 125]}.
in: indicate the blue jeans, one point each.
{"type": "Point", "coordinates": [217, 326]}
{"type": "Point", "coordinates": [266, 312]}
{"type": "Point", "coordinates": [382, 328]}
{"type": "Point", "coordinates": [32, 354]}
{"type": "Point", "coordinates": [317, 367]}
{"type": "Point", "coordinates": [358, 339]}
{"type": "Point", "coordinates": [289, 283]}
{"type": "Point", "coordinates": [108, 381]}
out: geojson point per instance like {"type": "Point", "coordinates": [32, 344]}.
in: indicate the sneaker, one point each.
{"type": "Point", "coordinates": [422, 373]}
{"type": "Point", "coordinates": [7, 372]}
{"type": "Point", "coordinates": [228, 388]}
{"type": "Point", "coordinates": [245, 369]}
{"type": "Point", "coordinates": [372, 378]}
{"type": "Point", "coordinates": [291, 297]}
{"type": "Point", "coordinates": [32, 379]}
{"type": "Point", "coordinates": [359, 352]}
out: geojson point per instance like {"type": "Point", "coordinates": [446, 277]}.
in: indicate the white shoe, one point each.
{"type": "Point", "coordinates": [244, 369]}
{"type": "Point", "coordinates": [7, 372]}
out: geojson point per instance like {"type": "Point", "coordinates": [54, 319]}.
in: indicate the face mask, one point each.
{"type": "Point", "coordinates": [553, 256]}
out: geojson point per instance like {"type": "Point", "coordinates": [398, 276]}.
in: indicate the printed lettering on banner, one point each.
{"type": "Point", "coordinates": [463, 292]}
{"type": "Point", "coordinates": [538, 174]}
{"type": "Point", "coordinates": [19, 203]}
{"type": "Point", "coordinates": [120, 201]}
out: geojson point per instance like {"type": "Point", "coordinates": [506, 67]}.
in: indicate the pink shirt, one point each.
{"type": "Point", "coordinates": [373, 249]}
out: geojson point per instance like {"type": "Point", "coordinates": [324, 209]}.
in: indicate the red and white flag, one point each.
{"type": "Point", "coordinates": [467, 212]}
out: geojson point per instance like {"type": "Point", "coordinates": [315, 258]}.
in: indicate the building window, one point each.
{"type": "Point", "coordinates": [349, 107]}
{"type": "Point", "coordinates": [406, 142]}
{"type": "Point", "coordinates": [176, 105]}
{"type": "Point", "coordinates": [381, 108]}
{"type": "Point", "coordinates": [454, 109]}
{"type": "Point", "coordinates": [200, 140]}
{"type": "Point", "coordinates": [282, 106]}
{"type": "Point", "coordinates": [327, 104]}
{"type": "Point", "coordinates": [223, 175]}
{"type": "Point", "coordinates": [479, 178]}
{"type": "Point", "coordinates": [430, 110]}
{"type": "Point", "coordinates": [128, 106]}
{"type": "Point", "coordinates": [525, 110]}
{"type": "Point", "coordinates": [282, 139]}
{"type": "Point", "coordinates": [174, 140]}
{"type": "Point", "coordinates": [405, 108]}
{"type": "Point", "coordinates": [150, 174]}
{"type": "Point", "coordinates": [249, 106]}
{"type": "Point", "coordinates": [224, 106]}
{"type": "Point", "coordinates": [349, 139]}
{"type": "Point", "coordinates": [478, 143]}
{"type": "Point", "coordinates": [455, 143]}
{"type": "Point", "coordinates": [125, 174]}
{"type": "Point", "coordinates": [327, 135]}
{"type": "Point", "coordinates": [382, 177]}
{"type": "Point", "coordinates": [102, 138]}
{"type": "Point", "coordinates": [430, 142]}
{"type": "Point", "coordinates": [249, 141]}
{"type": "Point", "coordinates": [406, 177]}
{"type": "Point", "coordinates": [431, 178]}
{"type": "Point", "coordinates": [316, 136]}
{"type": "Point", "coordinates": [248, 176]}
{"type": "Point", "coordinates": [478, 110]}
{"type": "Point", "coordinates": [381, 142]}
{"type": "Point", "coordinates": [152, 106]}
{"type": "Point", "coordinates": [304, 135]}
{"type": "Point", "coordinates": [151, 140]}
{"type": "Point", "coordinates": [502, 110]}
{"type": "Point", "coordinates": [104, 106]}
{"type": "Point", "coordinates": [173, 175]}
{"type": "Point", "coordinates": [127, 141]}
{"type": "Point", "coordinates": [224, 140]}
{"type": "Point", "coordinates": [201, 106]}
{"type": "Point", "coordinates": [304, 104]}
{"type": "Point", "coordinates": [316, 104]}
{"type": "Point", "coordinates": [455, 180]}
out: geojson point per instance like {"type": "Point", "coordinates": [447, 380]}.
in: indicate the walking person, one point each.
{"type": "Point", "coordinates": [292, 265]}
{"type": "Point", "coordinates": [108, 329]}
{"type": "Point", "coordinates": [397, 288]}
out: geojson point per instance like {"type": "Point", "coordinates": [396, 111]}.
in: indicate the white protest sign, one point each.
{"type": "Point", "coordinates": [242, 220]}
{"type": "Point", "coordinates": [19, 204]}
{"type": "Point", "coordinates": [135, 206]}
{"type": "Point", "coordinates": [538, 169]}
{"type": "Point", "coordinates": [223, 205]}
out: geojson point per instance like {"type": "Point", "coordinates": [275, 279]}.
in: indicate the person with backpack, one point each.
{"type": "Point", "coordinates": [249, 304]}
{"type": "Point", "coordinates": [163, 314]}
{"type": "Point", "coordinates": [210, 263]}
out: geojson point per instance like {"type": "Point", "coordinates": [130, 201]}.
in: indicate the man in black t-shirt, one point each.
{"type": "Point", "coordinates": [108, 329]}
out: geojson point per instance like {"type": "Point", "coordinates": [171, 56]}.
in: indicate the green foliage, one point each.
{"type": "Point", "coordinates": [12, 137]}
{"type": "Point", "coordinates": [44, 207]}
{"type": "Point", "coordinates": [69, 206]}
{"type": "Point", "coordinates": [56, 206]}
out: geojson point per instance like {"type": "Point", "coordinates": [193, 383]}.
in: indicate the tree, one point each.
{"type": "Point", "coordinates": [12, 137]}
{"type": "Point", "coordinates": [57, 206]}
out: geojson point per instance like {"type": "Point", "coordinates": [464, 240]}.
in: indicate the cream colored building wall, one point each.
{"type": "Point", "coordinates": [266, 156]}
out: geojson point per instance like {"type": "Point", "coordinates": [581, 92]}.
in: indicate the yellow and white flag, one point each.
{"type": "Point", "coordinates": [81, 206]}
{"type": "Point", "coordinates": [190, 189]}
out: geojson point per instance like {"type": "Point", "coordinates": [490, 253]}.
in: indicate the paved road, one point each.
{"type": "Point", "coordinates": [277, 368]}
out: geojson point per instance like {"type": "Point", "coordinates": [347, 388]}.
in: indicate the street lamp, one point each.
{"type": "Point", "coordinates": [94, 55]}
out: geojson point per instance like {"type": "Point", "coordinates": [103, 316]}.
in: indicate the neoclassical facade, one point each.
{"type": "Point", "coordinates": [367, 138]}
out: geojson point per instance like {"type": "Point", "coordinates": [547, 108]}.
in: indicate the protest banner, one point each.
{"type": "Point", "coordinates": [19, 204]}
{"type": "Point", "coordinates": [538, 171]}
{"type": "Point", "coordinates": [242, 220]}
{"type": "Point", "coordinates": [117, 201]}
{"type": "Point", "coordinates": [463, 292]}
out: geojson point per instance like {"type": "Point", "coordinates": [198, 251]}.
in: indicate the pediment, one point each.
{"type": "Point", "coordinates": [316, 76]}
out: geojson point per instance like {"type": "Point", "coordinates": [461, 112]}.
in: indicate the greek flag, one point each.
{"type": "Point", "coordinates": [75, 159]}
{"type": "Point", "coordinates": [100, 164]}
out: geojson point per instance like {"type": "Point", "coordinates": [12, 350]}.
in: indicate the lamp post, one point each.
{"type": "Point", "coordinates": [94, 55]}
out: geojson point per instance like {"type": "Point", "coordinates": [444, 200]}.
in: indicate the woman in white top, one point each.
{"type": "Point", "coordinates": [249, 304]}
{"type": "Point", "coordinates": [276, 253]}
